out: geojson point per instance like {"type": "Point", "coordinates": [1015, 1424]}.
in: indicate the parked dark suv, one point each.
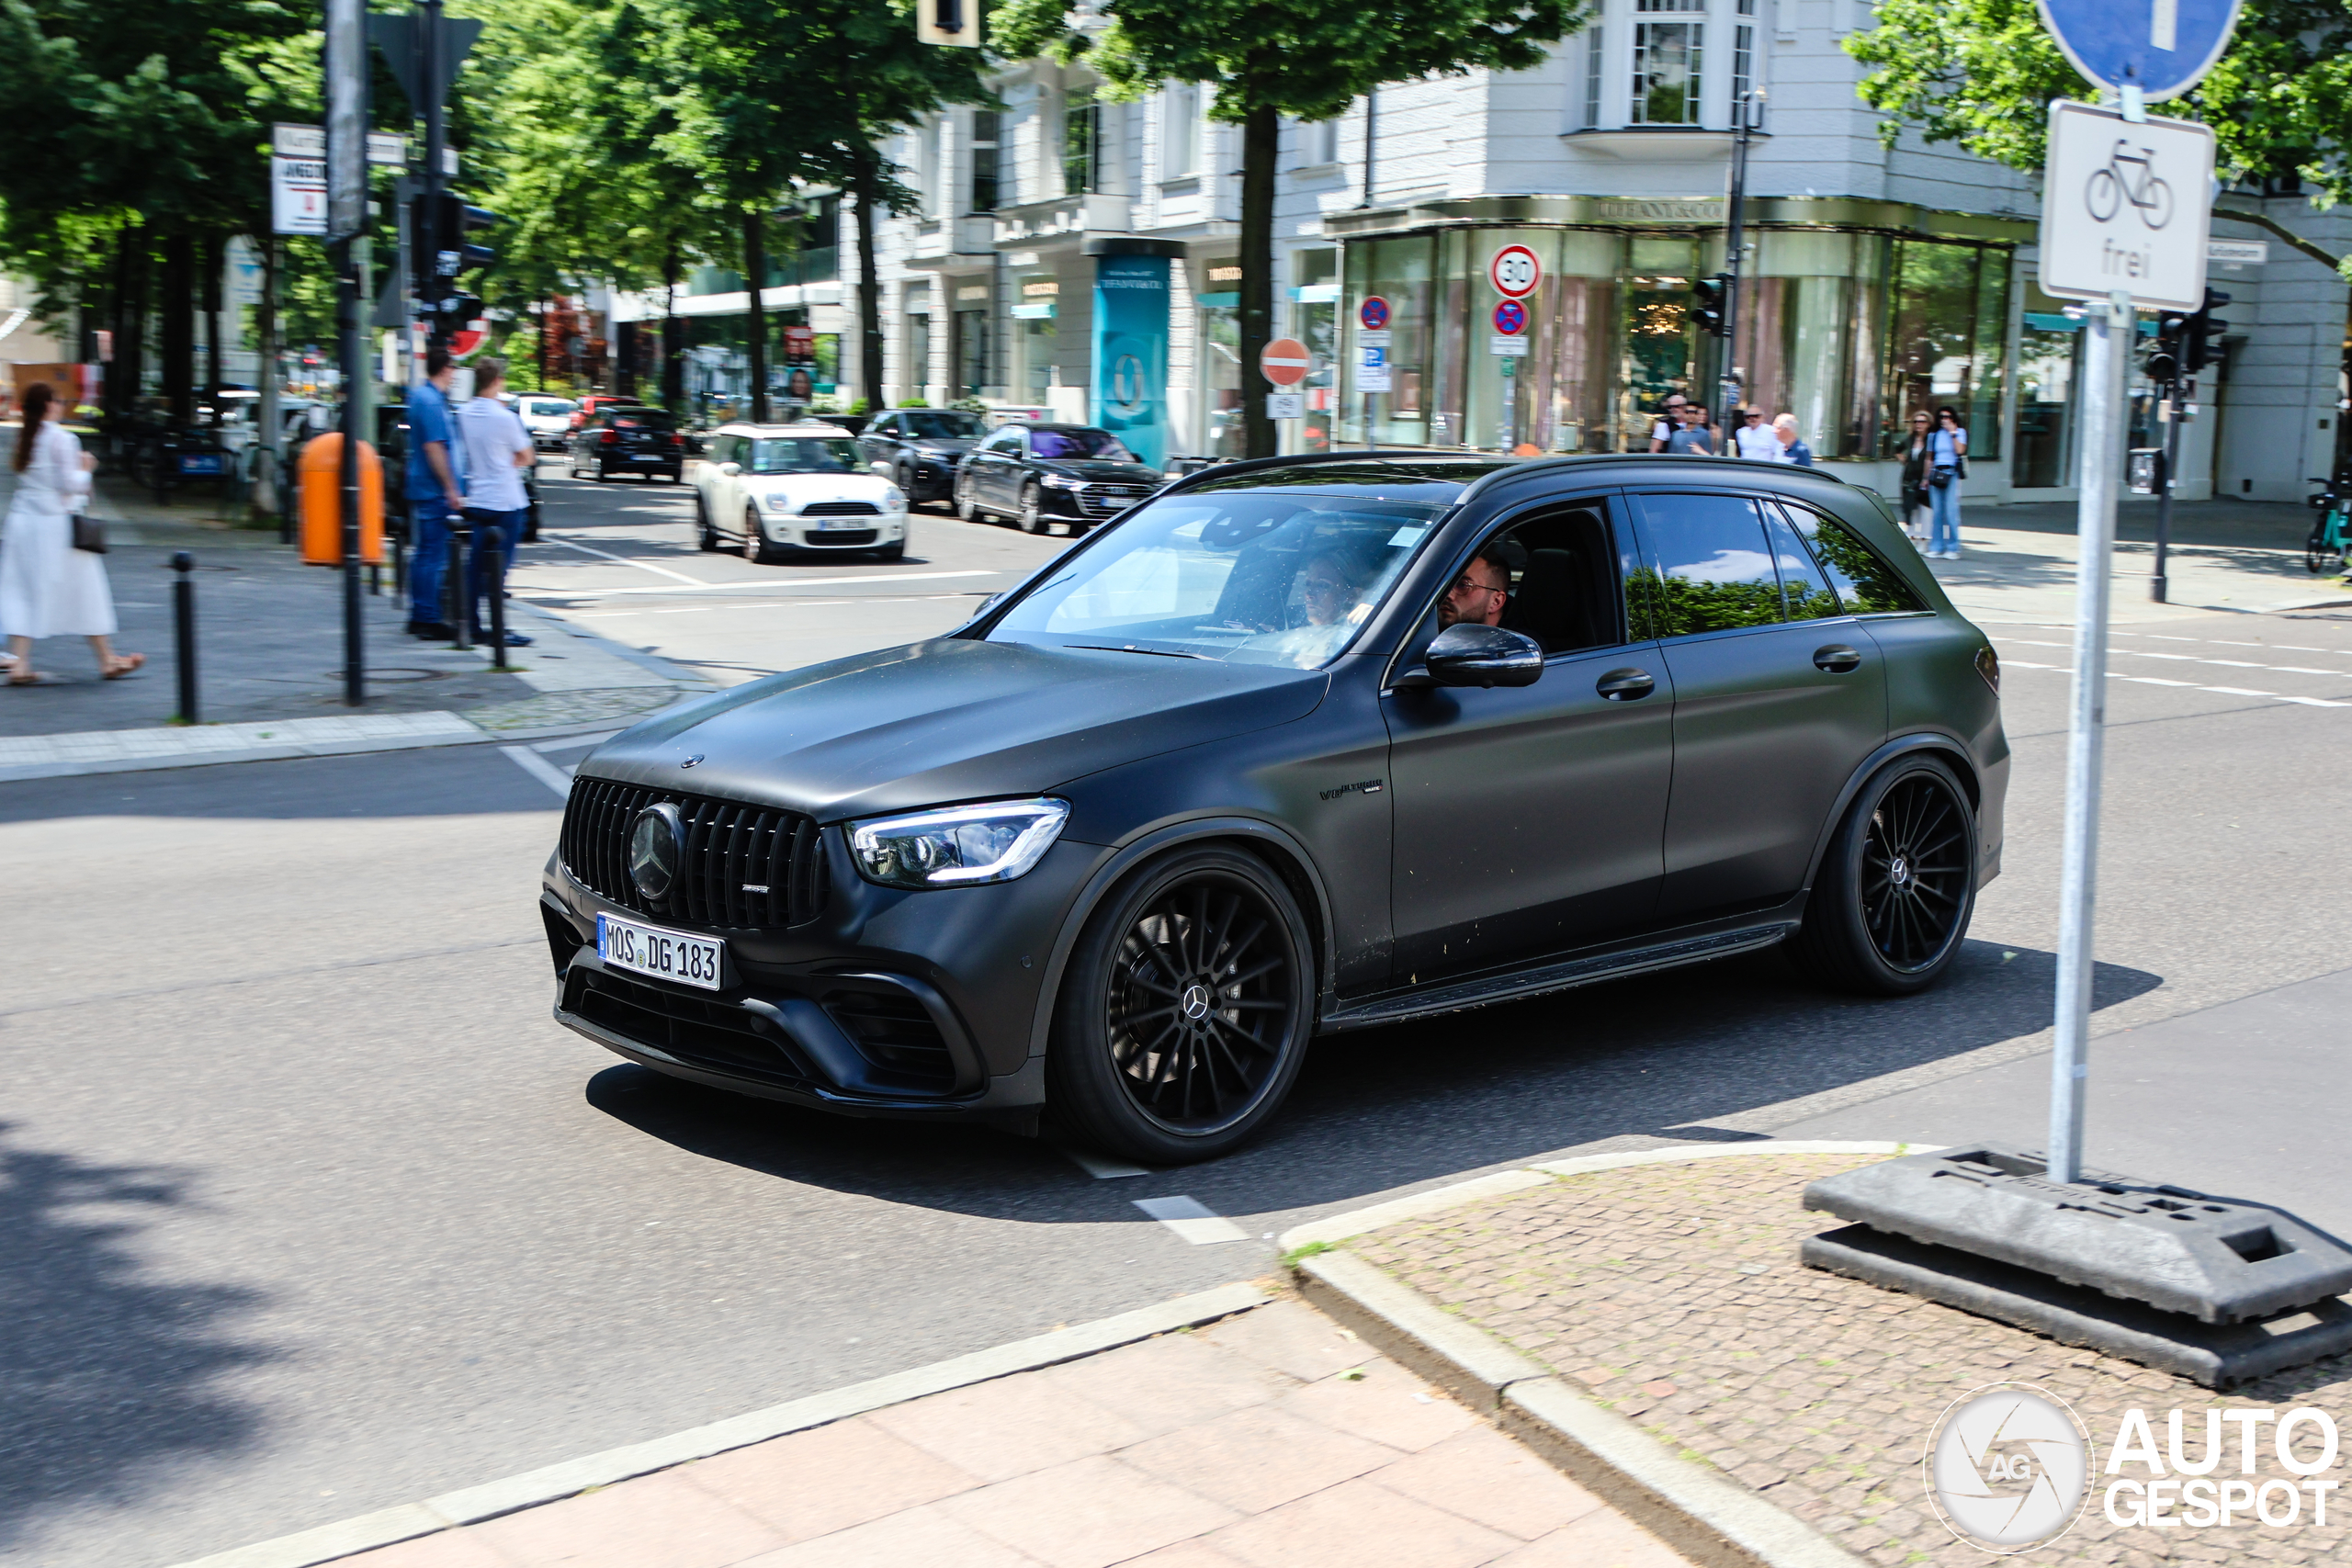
{"type": "Point", "coordinates": [918, 448]}
{"type": "Point", "coordinates": [1038, 475]}
{"type": "Point", "coordinates": [1297, 746]}
{"type": "Point", "coordinates": [630, 438]}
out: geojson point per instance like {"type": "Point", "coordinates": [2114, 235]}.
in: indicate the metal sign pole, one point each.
{"type": "Point", "coordinates": [2110, 326]}
{"type": "Point", "coordinates": [346, 136]}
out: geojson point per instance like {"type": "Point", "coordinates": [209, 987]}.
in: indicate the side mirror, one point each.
{"type": "Point", "coordinates": [1466, 655]}
{"type": "Point", "coordinates": [730, 470]}
{"type": "Point", "coordinates": [879, 467]}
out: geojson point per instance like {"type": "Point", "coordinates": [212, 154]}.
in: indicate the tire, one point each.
{"type": "Point", "coordinates": [965, 508]}
{"type": "Point", "coordinates": [2159, 203]}
{"type": "Point", "coordinates": [1190, 1087]}
{"type": "Point", "coordinates": [891, 552]}
{"type": "Point", "coordinates": [1033, 517]}
{"type": "Point", "coordinates": [1891, 904]}
{"type": "Point", "coordinates": [757, 548]}
{"type": "Point", "coordinates": [2317, 556]}
{"type": "Point", "coordinates": [705, 534]}
{"type": "Point", "coordinates": [2103, 194]}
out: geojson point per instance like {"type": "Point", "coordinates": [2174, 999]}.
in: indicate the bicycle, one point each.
{"type": "Point", "coordinates": [2149, 193]}
{"type": "Point", "coordinates": [2330, 546]}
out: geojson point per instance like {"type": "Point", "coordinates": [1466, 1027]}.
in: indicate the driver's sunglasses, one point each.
{"type": "Point", "coordinates": [1466, 583]}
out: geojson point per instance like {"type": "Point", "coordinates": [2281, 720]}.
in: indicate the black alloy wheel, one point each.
{"type": "Point", "coordinates": [1033, 508]}
{"type": "Point", "coordinates": [1892, 901]}
{"type": "Point", "coordinates": [1185, 1012]}
{"type": "Point", "coordinates": [705, 534]}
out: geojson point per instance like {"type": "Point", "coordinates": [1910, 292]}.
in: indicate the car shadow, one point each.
{"type": "Point", "coordinates": [108, 1368]}
{"type": "Point", "coordinates": [1662, 1058]}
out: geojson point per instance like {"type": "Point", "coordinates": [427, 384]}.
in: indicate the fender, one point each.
{"type": "Point", "coordinates": [1964, 763]}
{"type": "Point", "coordinates": [1125, 857]}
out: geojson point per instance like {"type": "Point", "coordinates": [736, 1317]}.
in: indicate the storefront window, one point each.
{"type": "Point", "coordinates": [1035, 332]}
{"type": "Point", "coordinates": [2048, 345]}
{"type": "Point", "coordinates": [1315, 322]}
{"type": "Point", "coordinates": [1806, 346]}
{"type": "Point", "coordinates": [971, 353]}
{"type": "Point", "coordinates": [918, 370]}
{"type": "Point", "coordinates": [1659, 341]}
{"type": "Point", "coordinates": [1397, 272]}
{"type": "Point", "coordinates": [1944, 340]}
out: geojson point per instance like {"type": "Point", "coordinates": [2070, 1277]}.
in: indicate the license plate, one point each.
{"type": "Point", "coordinates": [199, 463]}
{"type": "Point", "coordinates": [665, 956]}
{"type": "Point", "coordinates": [840, 525]}
{"type": "Point", "coordinates": [649, 457]}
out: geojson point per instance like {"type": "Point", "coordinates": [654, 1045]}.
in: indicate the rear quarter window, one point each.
{"type": "Point", "coordinates": [1864, 581]}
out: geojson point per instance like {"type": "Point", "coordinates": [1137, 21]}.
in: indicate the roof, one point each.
{"type": "Point", "coordinates": [803, 427]}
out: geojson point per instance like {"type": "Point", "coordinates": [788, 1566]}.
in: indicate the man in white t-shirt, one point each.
{"type": "Point", "coordinates": [1662, 428]}
{"type": "Point", "coordinates": [1755, 438]}
{"type": "Point", "coordinates": [492, 451]}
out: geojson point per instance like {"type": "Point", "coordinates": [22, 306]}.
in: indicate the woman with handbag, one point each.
{"type": "Point", "coordinates": [1914, 478]}
{"type": "Point", "coordinates": [52, 581]}
{"type": "Point", "coordinates": [1946, 466]}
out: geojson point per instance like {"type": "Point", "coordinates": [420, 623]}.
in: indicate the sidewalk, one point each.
{"type": "Point", "coordinates": [1271, 1438]}
{"type": "Point", "coordinates": [269, 652]}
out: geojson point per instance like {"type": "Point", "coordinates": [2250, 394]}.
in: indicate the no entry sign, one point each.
{"type": "Point", "coordinates": [1285, 362]}
{"type": "Point", "coordinates": [1515, 272]}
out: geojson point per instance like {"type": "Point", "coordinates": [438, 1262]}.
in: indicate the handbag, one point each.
{"type": "Point", "coordinates": [89, 534]}
{"type": "Point", "coordinates": [1942, 478]}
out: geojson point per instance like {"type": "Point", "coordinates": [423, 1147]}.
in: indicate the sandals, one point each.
{"type": "Point", "coordinates": [127, 664]}
{"type": "Point", "coordinates": [34, 678]}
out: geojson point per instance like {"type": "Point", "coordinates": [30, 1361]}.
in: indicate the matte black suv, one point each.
{"type": "Point", "coordinates": [1298, 746]}
{"type": "Point", "coordinates": [918, 449]}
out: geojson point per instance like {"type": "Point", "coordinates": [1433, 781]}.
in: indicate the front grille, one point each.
{"type": "Point", "coordinates": [707, 1034]}
{"type": "Point", "coordinates": [1099, 500]}
{"type": "Point", "coordinates": [743, 866]}
{"type": "Point", "coordinates": [841, 508]}
{"type": "Point", "coordinates": [842, 536]}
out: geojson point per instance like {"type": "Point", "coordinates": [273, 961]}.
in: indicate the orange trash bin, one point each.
{"type": "Point", "coordinates": [322, 479]}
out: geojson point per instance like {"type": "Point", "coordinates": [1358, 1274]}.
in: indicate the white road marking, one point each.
{"type": "Point", "coordinates": [1097, 1167]}
{"type": "Point", "coordinates": [794, 584]}
{"type": "Point", "coordinates": [722, 609]}
{"type": "Point", "coordinates": [1193, 1220]}
{"type": "Point", "coordinates": [2193, 659]}
{"type": "Point", "coordinates": [641, 565]}
{"type": "Point", "coordinates": [539, 768]}
{"type": "Point", "coordinates": [2184, 685]}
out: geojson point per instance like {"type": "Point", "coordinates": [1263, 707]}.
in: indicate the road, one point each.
{"type": "Point", "coordinates": [310, 1208]}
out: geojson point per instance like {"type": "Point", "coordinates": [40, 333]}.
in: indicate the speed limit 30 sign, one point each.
{"type": "Point", "coordinates": [1515, 272]}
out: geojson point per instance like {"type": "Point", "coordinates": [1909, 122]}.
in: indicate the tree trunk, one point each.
{"type": "Point", "coordinates": [1261, 142]}
{"type": "Point", "coordinates": [755, 272]}
{"type": "Point", "coordinates": [213, 260]}
{"type": "Point", "coordinates": [131, 335]}
{"type": "Point", "coordinates": [178, 345]}
{"type": "Point", "coordinates": [121, 388]}
{"type": "Point", "coordinates": [869, 282]}
{"type": "Point", "coordinates": [266, 501]}
{"type": "Point", "coordinates": [674, 346]}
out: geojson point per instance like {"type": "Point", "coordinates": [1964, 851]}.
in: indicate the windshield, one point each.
{"type": "Point", "coordinates": [641, 419]}
{"type": "Point", "coordinates": [1281, 567]}
{"type": "Point", "coordinates": [547, 408]}
{"type": "Point", "coordinates": [801, 455]}
{"type": "Point", "coordinates": [938, 425]}
{"type": "Point", "coordinates": [1076, 442]}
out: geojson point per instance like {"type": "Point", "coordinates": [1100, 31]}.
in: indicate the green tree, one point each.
{"type": "Point", "coordinates": [1307, 59]}
{"type": "Point", "coordinates": [1981, 74]}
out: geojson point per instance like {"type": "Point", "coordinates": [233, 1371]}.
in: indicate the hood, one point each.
{"type": "Point", "coordinates": [948, 720]}
{"type": "Point", "coordinates": [944, 445]}
{"type": "Point", "coordinates": [802, 489]}
{"type": "Point", "coordinates": [1098, 472]}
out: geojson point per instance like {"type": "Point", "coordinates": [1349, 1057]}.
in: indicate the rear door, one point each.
{"type": "Point", "coordinates": [1779, 696]}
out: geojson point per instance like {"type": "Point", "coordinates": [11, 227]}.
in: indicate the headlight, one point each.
{"type": "Point", "coordinates": [777, 501]}
{"type": "Point", "coordinates": [894, 499]}
{"type": "Point", "coordinates": [1055, 481]}
{"type": "Point", "coordinates": [995, 841]}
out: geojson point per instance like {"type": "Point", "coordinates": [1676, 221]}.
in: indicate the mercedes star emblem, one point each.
{"type": "Point", "coordinates": [653, 842]}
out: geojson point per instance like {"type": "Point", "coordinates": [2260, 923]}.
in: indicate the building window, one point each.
{"type": "Point", "coordinates": [1666, 68]}
{"type": "Point", "coordinates": [1081, 143]}
{"type": "Point", "coordinates": [1743, 76]}
{"type": "Point", "coordinates": [1594, 44]}
{"type": "Point", "coordinates": [984, 130]}
{"type": "Point", "coordinates": [932, 171]}
{"type": "Point", "coordinates": [1180, 146]}
{"type": "Point", "coordinates": [1318, 143]}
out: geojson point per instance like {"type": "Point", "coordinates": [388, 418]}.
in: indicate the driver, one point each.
{"type": "Point", "coordinates": [1478, 595]}
{"type": "Point", "coordinates": [1329, 585]}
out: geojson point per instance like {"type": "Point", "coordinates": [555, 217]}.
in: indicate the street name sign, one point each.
{"type": "Point", "coordinates": [2161, 47]}
{"type": "Point", "coordinates": [298, 194]}
{"type": "Point", "coordinates": [1285, 405]}
{"type": "Point", "coordinates": [2125, 207]}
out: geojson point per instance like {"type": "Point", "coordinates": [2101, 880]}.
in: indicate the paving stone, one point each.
{"type": "Point", "coordinates": [1492, 1480]}
{"type": "Point", "coordinates": [1359, 1525]}
{"type": "Point", "coordinates": [1254, 1459]}
{"type": "Point", "coordinates": [656, 1518]}
{"type": "Point", "coordinates": [813, 1484]}
{"type": "Point", "coordinates": [1087, 1513]}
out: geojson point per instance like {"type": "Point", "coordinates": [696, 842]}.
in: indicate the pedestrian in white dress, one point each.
{"type": "Point", "coordinates": [47, 587]}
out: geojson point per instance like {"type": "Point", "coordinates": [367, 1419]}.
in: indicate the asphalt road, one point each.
{"type": "Point", "coordinates": [307, 1209]}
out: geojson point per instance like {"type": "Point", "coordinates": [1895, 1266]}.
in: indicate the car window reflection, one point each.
{"type": "Point", "coordinates": [801, 455]}
{"type": "Point", "coordinates": [1713, 570]}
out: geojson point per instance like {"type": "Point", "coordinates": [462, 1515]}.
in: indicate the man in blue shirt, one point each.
{"type": "Point", "coordinates": [433, 496]}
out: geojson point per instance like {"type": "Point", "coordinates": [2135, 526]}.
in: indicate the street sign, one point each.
{"type": "Point", "coordinates": [1285, 362]}
{"type": "Point", "coordinates": [1515, 272]}
{"type": "Point", "coordinates": [1372, 367]}
{"type": "Point", "coordinates": [1510, 347]}
{"type": "Point", "coordinates": [1510, 318]}
{"type": "Point", "coordinates": [1373, 312]}
{"type": "Point", "coordinates": [2161, 47]}
{"type": "Point", "coordinates": [385, 149]}
{"type": "Point", "coordinates": [396, 39]}
{"type": "Point", "coordinates": [2238, 253]}
{"type": "Point", "coordinates": [298, 194]}
{"type": "Point", "coordinates": [1285, 405]}
{"type": "Point", "coordinates": [2125, 207]}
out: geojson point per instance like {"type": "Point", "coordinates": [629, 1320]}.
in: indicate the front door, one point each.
{"type": "Point", "coordinates": [1779, 695]}
{"type": "Point", "coordinates": [1530, 821]}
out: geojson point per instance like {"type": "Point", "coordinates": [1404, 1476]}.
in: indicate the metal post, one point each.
{"type": "Point", "coordinates": [1728, 386]}
{"type": "Point", "coordinates": [495, 584]}
{"type": "Point", "coordinates": [429, 243]}
{"type": "Point", "coordinates": [2110, 326]}
{"type": "Point", "coordinates": [2168, 462]}
{"type": "Point", "coordinates": [184, 634]}
{"type": "Point", "coordinates": [457, 592]}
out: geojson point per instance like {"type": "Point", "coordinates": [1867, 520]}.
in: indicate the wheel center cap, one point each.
{"type": "Point", "coordinates": [1900, 872]}
{"type": "Point", "coordinates": [1195, 1002]}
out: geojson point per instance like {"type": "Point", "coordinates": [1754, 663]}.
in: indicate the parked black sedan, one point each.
{"type": "Point", "coordinates": [1038, 475]}
{"type": "Point", "coordinates": [1300, 745]}
{"type": "Point", "coordinates": [628, 438]}
{"type": "Point", "coordinates": [917, 449]}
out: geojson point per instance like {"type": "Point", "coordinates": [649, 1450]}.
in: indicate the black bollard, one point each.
{"type": "Point", "coordinates": [495, 581]}
{"type": "Point", "coordinates": [184, 632]}
{"type": "Point", "coordinates": [454, 593]}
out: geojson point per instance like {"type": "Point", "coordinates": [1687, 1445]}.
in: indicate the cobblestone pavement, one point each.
{"type": "Point", "coordinates": [1273, 1439]}
{"type": "Point", "coordinates": [1673, 1293]}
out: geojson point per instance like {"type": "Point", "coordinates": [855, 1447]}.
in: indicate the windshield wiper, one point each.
{"type": "Point", "coordinates": [1131, 648]}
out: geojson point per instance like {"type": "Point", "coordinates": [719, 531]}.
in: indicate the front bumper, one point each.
{"type": "Point", "coordinates": [881, 529]}
{"type": "Point", "coordinates": [929, 479]}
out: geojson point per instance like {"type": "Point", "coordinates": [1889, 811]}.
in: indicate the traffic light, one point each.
{"type": "Point", "coordinates": [1710, 298]}
{"type": "Point", "coordinates": [2163, 362]}
{"type": "Point", "coordinates": [2201, 334]}
{"type": "Point", "coordinates": [439, 223]}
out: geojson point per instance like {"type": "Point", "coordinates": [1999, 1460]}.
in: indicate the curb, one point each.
{"type": "Point", "coordinates": [1693, 1507]}
{"type": "Point", "coordinates": [550, 1483]}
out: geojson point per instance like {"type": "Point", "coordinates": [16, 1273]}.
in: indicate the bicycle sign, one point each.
{"type": "Point", "coordinates": [2126, 208]}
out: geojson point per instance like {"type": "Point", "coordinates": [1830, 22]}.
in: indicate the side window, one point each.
{"type": "Point", "coordinates": [1006, 440]}
{"type": "Point", "coordinates": [1563, 574]}
{"type": "Point", "coordinates": [1867, 584]}
{"type": "Point", "coordinates": [1709, 570]}
{"type": "Point", "coordinates": [1803, 591]}
{"type": "Point", "coordinates": [722, 448]}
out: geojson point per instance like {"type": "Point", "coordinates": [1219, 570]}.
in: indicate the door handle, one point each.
{"type": "Point", "coordinates": [1626, 685]}
{"type": "Point", "coordinates": [1837, 658]}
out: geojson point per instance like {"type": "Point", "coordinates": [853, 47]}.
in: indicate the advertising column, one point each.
{"type": "Point", "coordinates": [1129, 389]}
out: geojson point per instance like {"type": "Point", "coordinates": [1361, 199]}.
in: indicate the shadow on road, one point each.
{"type": "Point", "coordinates": [1663, 1056]}
{"type": "Point", "coordinates": [104, 1374]}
